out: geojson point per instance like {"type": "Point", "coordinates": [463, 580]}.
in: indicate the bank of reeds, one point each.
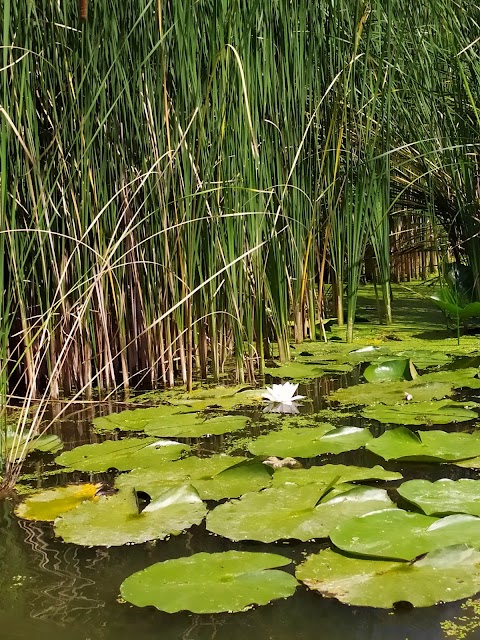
{"type": "Point", "coordinates": [178, 179]}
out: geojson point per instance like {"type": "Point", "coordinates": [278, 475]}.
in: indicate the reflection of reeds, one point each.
{"type": "Point", "coordinates": [175, 188]}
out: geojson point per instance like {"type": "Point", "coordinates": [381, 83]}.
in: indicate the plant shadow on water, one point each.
{"type": "Point", "coordinates": [51, 589]}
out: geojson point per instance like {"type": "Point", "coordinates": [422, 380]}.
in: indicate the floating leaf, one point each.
{"type": "Point", "coordinates": [291, 511]}
{"type": "Point", "coordinates": [399, 535]}
{"type": "Point", "coordinates": [459, 378]}
{"type": "Point", "coordinates": [419, 413]}
{"type": "Point", "coordinates": [158, 477]}
{"type": "Point", "coordinates": [445, 575]}
{"type": "Point", "coordinates": [390, 370]}
{"type": "Point", "coordinates": [210, 582]}
{"type": "Point", "coordinates": [138, 419]}
{"type": "Point", "coordinates": [47, 444]}
{"type": "Point", "coordinates": [296, 370]}
{"type": "Point", "coordinates": [234, 482]}
{"type": "Point", "coordinates": [443, 496]}
{"type": "Point", "coordinates": [392, 392]}
{"type": "Point", "coordinates": [325, 474]}
{"type": "Point", "coordinates": [195, 426]}
{"type": "Point", "coordinates": [115, 520]}
{"type": "Point", "coordinates": [309, 442]}
{"type": "Point", "coordinates": [123, 455]}
{"type": "Point", "coordinates": [427, 446]}
{"type": "Point", "coordinates": [218, 396]}
{"type": "Point", "coordinates": [47, 505]}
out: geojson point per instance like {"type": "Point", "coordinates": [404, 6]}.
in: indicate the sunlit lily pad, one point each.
{"type": "Point", "coordinates": [47, 443]}
{"type": "Point", "coordinates": [48, 504]}
{"type": "Point", "coordinates": [399, 535]}
{"type": "Point", "coordinates": [131, 453]}
{"type": "Point", "coordinates": [210, 582]}
{"type": "Point", "coordinates": [292, 511]}
{"type": "Point", "coordinates": [115, 520]}
{"type": "Point", "coordinates": [444, 575]}
{"type": "Point", "coordinates": [309, 442]}
{"type": "Point", "coordinates": [158, 477]}
{"type": "Point", "coordinates": [392, 392]}
{"type": "Point", "coordinates": [218, 396]}
{"type": "Point", "coordinates": [419, 413]}
{"type": "Point", "coordinates": [296, 370]}
{"type": "Point", "coordinates": [426, 446]}
{"type": "Point", "coordinates": [443, 496]}
{"type": "Point", "coordinates": [234, 482]}
{"type": "Point", "coordinates": [390, 370]}
{"type": "Point", "coordinates": [458, 378]}
{"type": "Point", "coordinates": [138, 419]}
{"type": "Point", "coordinates": [195, 426]}
{"type": "Point", "coordinates": [325, 473]}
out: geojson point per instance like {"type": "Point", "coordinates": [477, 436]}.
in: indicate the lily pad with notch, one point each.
{"type": "Point", "coordinates": [229, 581]}
{"type": "Point", "coordinates": [130, 453]}
{"type": "Point", "coordinates": [116, 520]}
{"type": "Point", "coordinates": [444, 575]}
{"type": "Point", "coordinates": [390, 370]}
{"type": "Point", "coordinates": [138, 419]}
{"type": "Point", "coordinates": [293, 512]}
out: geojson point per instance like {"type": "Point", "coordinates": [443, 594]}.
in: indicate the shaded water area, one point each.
{"type": "Point", "coordinates": [53, 590]}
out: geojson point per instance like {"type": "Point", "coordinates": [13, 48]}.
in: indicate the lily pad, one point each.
{"type": "Point", "coordinates": [459, 378]}
{"type": "Point", "coordinates": [211, 582]}
{"type": "Point", "coordinates": [399, 535]}
{"type": "Point", "coordinates": [292, 511]}
{"type": "Point", "coordinates": [195, 426]}
{"type": "Point", "coordinates": [326, 473]}
{"type": "Point", "coordinates": [427, 446]}
{"type": "Point", "coordinates": [234, 482]}
{"type": "Point", "coordinates": [47, 505]}
{"type": "Point", "coordinates": [309, 442]}
{"type": "Point", "coordinates": [390, 370]}
{"type": "Point", "coordinates": [419, 413]}
{"type": "Point", "coordinates": [443, 496]}
{"type": "Point", "coordinates": [296, 370]}
{"type": "Point", "coordinates": [168, 474]}
{"type": "Point", "coordinates": [445, 575]}
{"type": "Point", "coordinates": [392, 392]}
{"type": "Point", "coordinates": [46, 443]}
{"type": "Point", "coordinates": [115, 520]}
{"type": "Point", "coordinates": [138, 419]}
{"type": "Point", "coordinates": [218, 396]}
{"type": "Point", "coordinates": [123, 455]}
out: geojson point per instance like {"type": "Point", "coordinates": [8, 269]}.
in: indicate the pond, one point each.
{"type": "Point", "coordinates": [52, 589]}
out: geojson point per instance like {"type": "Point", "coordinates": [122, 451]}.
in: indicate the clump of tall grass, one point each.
{"type": "Point", "coordinates": [178, 179]}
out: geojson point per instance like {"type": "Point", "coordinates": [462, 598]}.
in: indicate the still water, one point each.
{"type": "Point", "coordinates": [50, 590]}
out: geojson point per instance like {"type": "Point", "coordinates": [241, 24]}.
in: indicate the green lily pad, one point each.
{"type": "Point", "coordinates": [392, 392]}
{"type": "Point", "coordinates": [218, 396]}
{"type": "Point", "coordinates": [292, 511]}
{"type": "Point", "coordinates": [459, 378]}
{"type": "Point", "coordinates": [194, 426]}
{"type": "Point", "coordinates": [158, 477]}
{"type": "Point", "coordinates": [47, 505]}
{"type": "Point", "coordinates": [390, 370]}
{"type": "Point", "coordinates": [427, 446]}
{"type": "Point", "coordinates": [419, 413]}
{"type": "Point", "coordinates": [443, 496]}
{"type": "Point", "coordinates": [326, 473]}
{"type": "Point", "coordinates": [445, 575]}
{"type": "Point", "coordinates": [138, 419]}
{"type": "Point", "coordinates": [296, 370]}
{"type": "Point", "coordinates": [234, 482]}
{"type": "Point", "coordinates": [210, 582]}
{"type": "Point", "coordinates": [47, 443]}
{"type": "Point", "coordinates": [309, 442]}
{"type": "Point", "coordinates": [115, 520]}
{"type": "Point", "coordinates": [123, 455]}
{"type": "Point", "coordinates": [399, 535]}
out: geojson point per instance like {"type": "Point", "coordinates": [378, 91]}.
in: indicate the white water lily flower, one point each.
{"type": "Point", "coordinates": [282, 393]}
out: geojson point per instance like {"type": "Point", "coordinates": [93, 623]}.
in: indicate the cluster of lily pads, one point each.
{"type": "Point", "coordinates": [381, 554]}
